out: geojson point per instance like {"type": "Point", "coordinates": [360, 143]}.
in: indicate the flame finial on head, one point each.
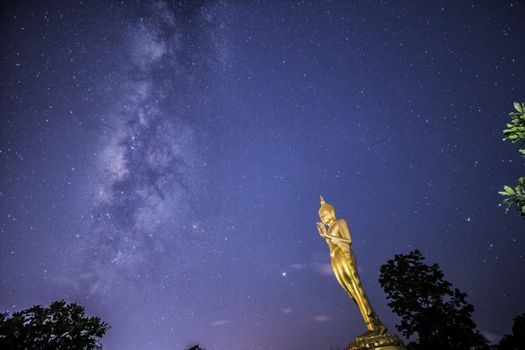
{"type": "Point", "coordinates": [325, 206]}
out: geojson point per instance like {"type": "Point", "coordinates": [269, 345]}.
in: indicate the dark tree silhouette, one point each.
{"type": "Point", "coordinates": [515, 341]}
{"type": "Point", "coordinates": [428, 305]}
{"type": "Point", "coordinates": [60, 326]}
{"type": "Point", "coordinates": [196, 347]}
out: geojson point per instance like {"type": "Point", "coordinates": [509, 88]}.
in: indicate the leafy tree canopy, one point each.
{"type": "Point", "coordinates": [60, 326]}
{"type": "Point", "coordinates": [515, 133]}
{"type": "Point", "coordinates": [433, 313]}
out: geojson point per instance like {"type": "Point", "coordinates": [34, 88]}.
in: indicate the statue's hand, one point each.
{"type": "Point", "coordinates": [321, 228]}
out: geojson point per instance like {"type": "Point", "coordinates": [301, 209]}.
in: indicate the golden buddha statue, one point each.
{"type": "Point", "coordinates": [344, 265]}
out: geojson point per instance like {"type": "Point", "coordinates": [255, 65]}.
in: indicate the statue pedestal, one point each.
{"type": "Point", "coordinates": [377, 342]}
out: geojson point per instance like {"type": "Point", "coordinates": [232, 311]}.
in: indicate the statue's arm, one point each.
{"type": "Point", "coordinates": [331, 234]}
{"type": "Point", "coordinates": [344, 231]}
{"type": "Point", "coordinates": [341, 237]}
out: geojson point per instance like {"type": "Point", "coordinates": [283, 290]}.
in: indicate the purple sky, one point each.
{"type": "Point", "coordinates": [161, 162]}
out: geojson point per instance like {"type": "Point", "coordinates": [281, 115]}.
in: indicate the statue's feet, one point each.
{"type": "Point", "coordinates": [381, 329]}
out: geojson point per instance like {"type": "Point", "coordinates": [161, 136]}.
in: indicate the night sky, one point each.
{"type": "Point", "coordinates": [161, 162]}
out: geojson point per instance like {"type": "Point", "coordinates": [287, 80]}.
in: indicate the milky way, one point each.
{"type": "Point", "coordinates": [147, 166]}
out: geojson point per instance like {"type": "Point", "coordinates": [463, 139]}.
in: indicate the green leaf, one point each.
{"type": "Point", "coordinates": [521, 179]}
{"type": "Point", "coordinates": [509, 190]}
{"type": "Point", "coordinates": [522, 151]}
{"type": "Point", "coordinates": [518, 107]}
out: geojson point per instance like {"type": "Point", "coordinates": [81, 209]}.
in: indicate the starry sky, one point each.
{"type": "Point", "coordinates": [161, 162]}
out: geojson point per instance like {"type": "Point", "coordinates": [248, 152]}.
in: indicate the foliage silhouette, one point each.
{"type": "Point", "coordinates": [428, 305]}
{"type": "Point", "coordinates": [60, 326]}
{"type": "Point", "coordinates": [516, 340]}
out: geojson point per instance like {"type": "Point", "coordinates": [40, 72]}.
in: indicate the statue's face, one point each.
{"type": "Point", "coordinates": [327, 216]}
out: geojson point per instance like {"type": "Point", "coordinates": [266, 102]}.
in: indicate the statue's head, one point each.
{"type": "Point", "coordinates": [326, 212]}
